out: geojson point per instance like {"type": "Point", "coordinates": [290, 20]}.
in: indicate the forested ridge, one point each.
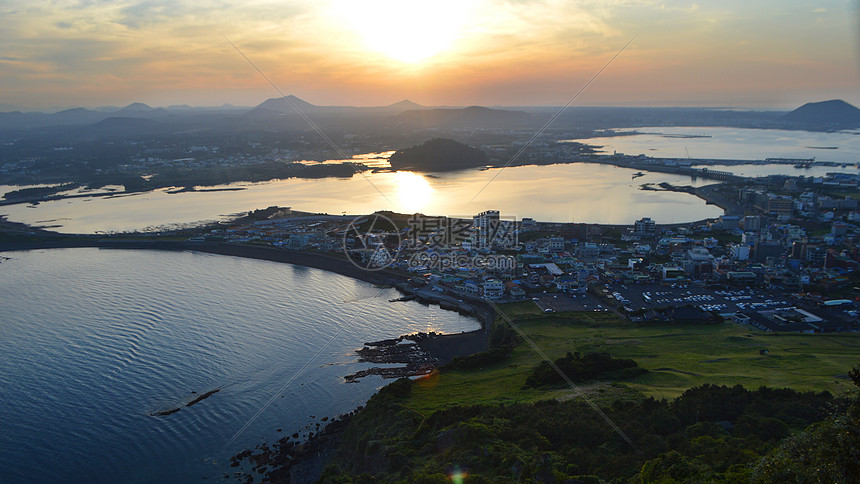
{"type": "Point", "coordinates": [504, 415]}
{"type": "Point", "coordinates": [708, 434]}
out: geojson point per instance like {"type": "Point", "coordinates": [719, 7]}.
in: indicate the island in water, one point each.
{"type": "Point", "coordinates": [439, 154]}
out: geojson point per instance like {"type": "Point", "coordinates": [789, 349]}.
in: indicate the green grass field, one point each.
{"type": "Point", "coordinates": [676, 357]}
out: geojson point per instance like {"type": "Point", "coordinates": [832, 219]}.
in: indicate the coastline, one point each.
{"type": "Point", "coordinates": [443, 347]}
{"type": "Point", "coordinates": [306, 259]}
{"type": "Point", "coordinates": [305, 460]}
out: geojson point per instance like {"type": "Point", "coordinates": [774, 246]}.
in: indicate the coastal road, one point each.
{"type": "Point", "coordinates": [711, 194]}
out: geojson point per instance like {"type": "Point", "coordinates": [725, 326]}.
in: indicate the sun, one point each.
{"type": "Point", "coordinates": [404, 30]}
{"type": "Point", "coordinates": [413, 191]}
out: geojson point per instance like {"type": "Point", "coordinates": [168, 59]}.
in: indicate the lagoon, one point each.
{"type": "Point", "coordinates": [577, 192]}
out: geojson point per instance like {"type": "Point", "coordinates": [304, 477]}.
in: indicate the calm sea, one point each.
{"type": "Point", "coordinates": [92, 342]}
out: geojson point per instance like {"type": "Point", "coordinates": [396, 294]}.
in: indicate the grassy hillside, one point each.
{"type": "Point", "coordinates": [677, 357]}
{"type": "Point", "coordinates": [705, 411]}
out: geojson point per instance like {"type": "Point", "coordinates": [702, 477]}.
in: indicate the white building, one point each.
{"type": "Point", "coordinates": [493, 289]}
{"type": "Point", "coordinates": [485, 224]}
{"type": "Point", "coordinates": [699, 254]}
{"type": "Point", "coordinates": [469, 287]}
{"type": "Point", "coordinates": [752, 223]}
{"type": "Point", "coordinates": [556, 244]}
{"type": "Point", "coordinates": [527, 224]}
{"type": "Point", "coordinates": [740, 252]}
{"type": "Point", "coordinates": [589, 251]}
{"type": "Point", "coordinates": [672, 274]}
{"type": "Point", "coordinates": [644, 226]}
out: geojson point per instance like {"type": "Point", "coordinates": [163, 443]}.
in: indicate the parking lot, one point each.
{"type": "Point", "coordinates": [637, 297]}
{"type": "Point", "coordinates": [549, 303]}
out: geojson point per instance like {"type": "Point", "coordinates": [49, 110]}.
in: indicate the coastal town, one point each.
{"type": "Point", "coordinates": [780, 259]}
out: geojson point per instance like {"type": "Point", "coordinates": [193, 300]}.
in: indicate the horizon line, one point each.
{"type": "Point", "coordinates": [56, 109]}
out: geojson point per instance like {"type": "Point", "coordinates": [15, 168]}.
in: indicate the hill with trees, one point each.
{"type": "Point", "coordinates": [835, 113]}
{"type": "Point", "coordinates": [438, 154]}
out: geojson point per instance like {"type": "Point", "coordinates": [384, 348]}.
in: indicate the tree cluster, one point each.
{"type": "Point", "coordinates": [580, 368]}
{"type": "Point", "coordinates": [709, 434]}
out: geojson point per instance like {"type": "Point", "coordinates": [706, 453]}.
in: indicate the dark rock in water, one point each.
{"type": "Point", "coordinates": [192, 402]}
{"type": "Point", "coordinates": [203, 397]}
{"type": "Point", "coordinates": [165, 412]}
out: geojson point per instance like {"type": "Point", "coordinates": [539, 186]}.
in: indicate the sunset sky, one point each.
{"type": "Point", "coordinates": [733, 53]}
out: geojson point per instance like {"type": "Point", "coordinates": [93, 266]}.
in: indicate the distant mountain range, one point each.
{"type": "Point", "coordinates": [116, 121]}
{"type": "Point", "coordinates": [470, 117]}
{"type": "Point", "coordinates": [285, 104]}
{"type": "Point", "coordinates": [84, 116]}
{"type": "Point", "coordinates": [279, 106]}
{"type": "Point", "coordinates": [406, 105]}
{"type": "Point", "coordinates": [141, 110]}
{"type": "Point", "coordinates": [280, 113]}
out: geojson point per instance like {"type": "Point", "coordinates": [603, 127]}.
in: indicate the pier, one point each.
{"type": "Point", "coordinates": [798, 162]}
{"type": "Point", "coordinates": [677, 170]}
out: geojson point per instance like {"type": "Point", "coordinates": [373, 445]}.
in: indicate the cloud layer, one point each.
{"type": "Point", "coordinates": [509, 52]}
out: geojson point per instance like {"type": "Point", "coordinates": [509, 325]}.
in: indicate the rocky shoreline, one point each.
{"type": "Point", "coordinates": [289, 459]}
{"type": "Point", "coordinates": [420, 354]}
{"type": "Point", "coordinates": [404, 350]}
{"type": "Point", "coordinates": [295, 461]}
